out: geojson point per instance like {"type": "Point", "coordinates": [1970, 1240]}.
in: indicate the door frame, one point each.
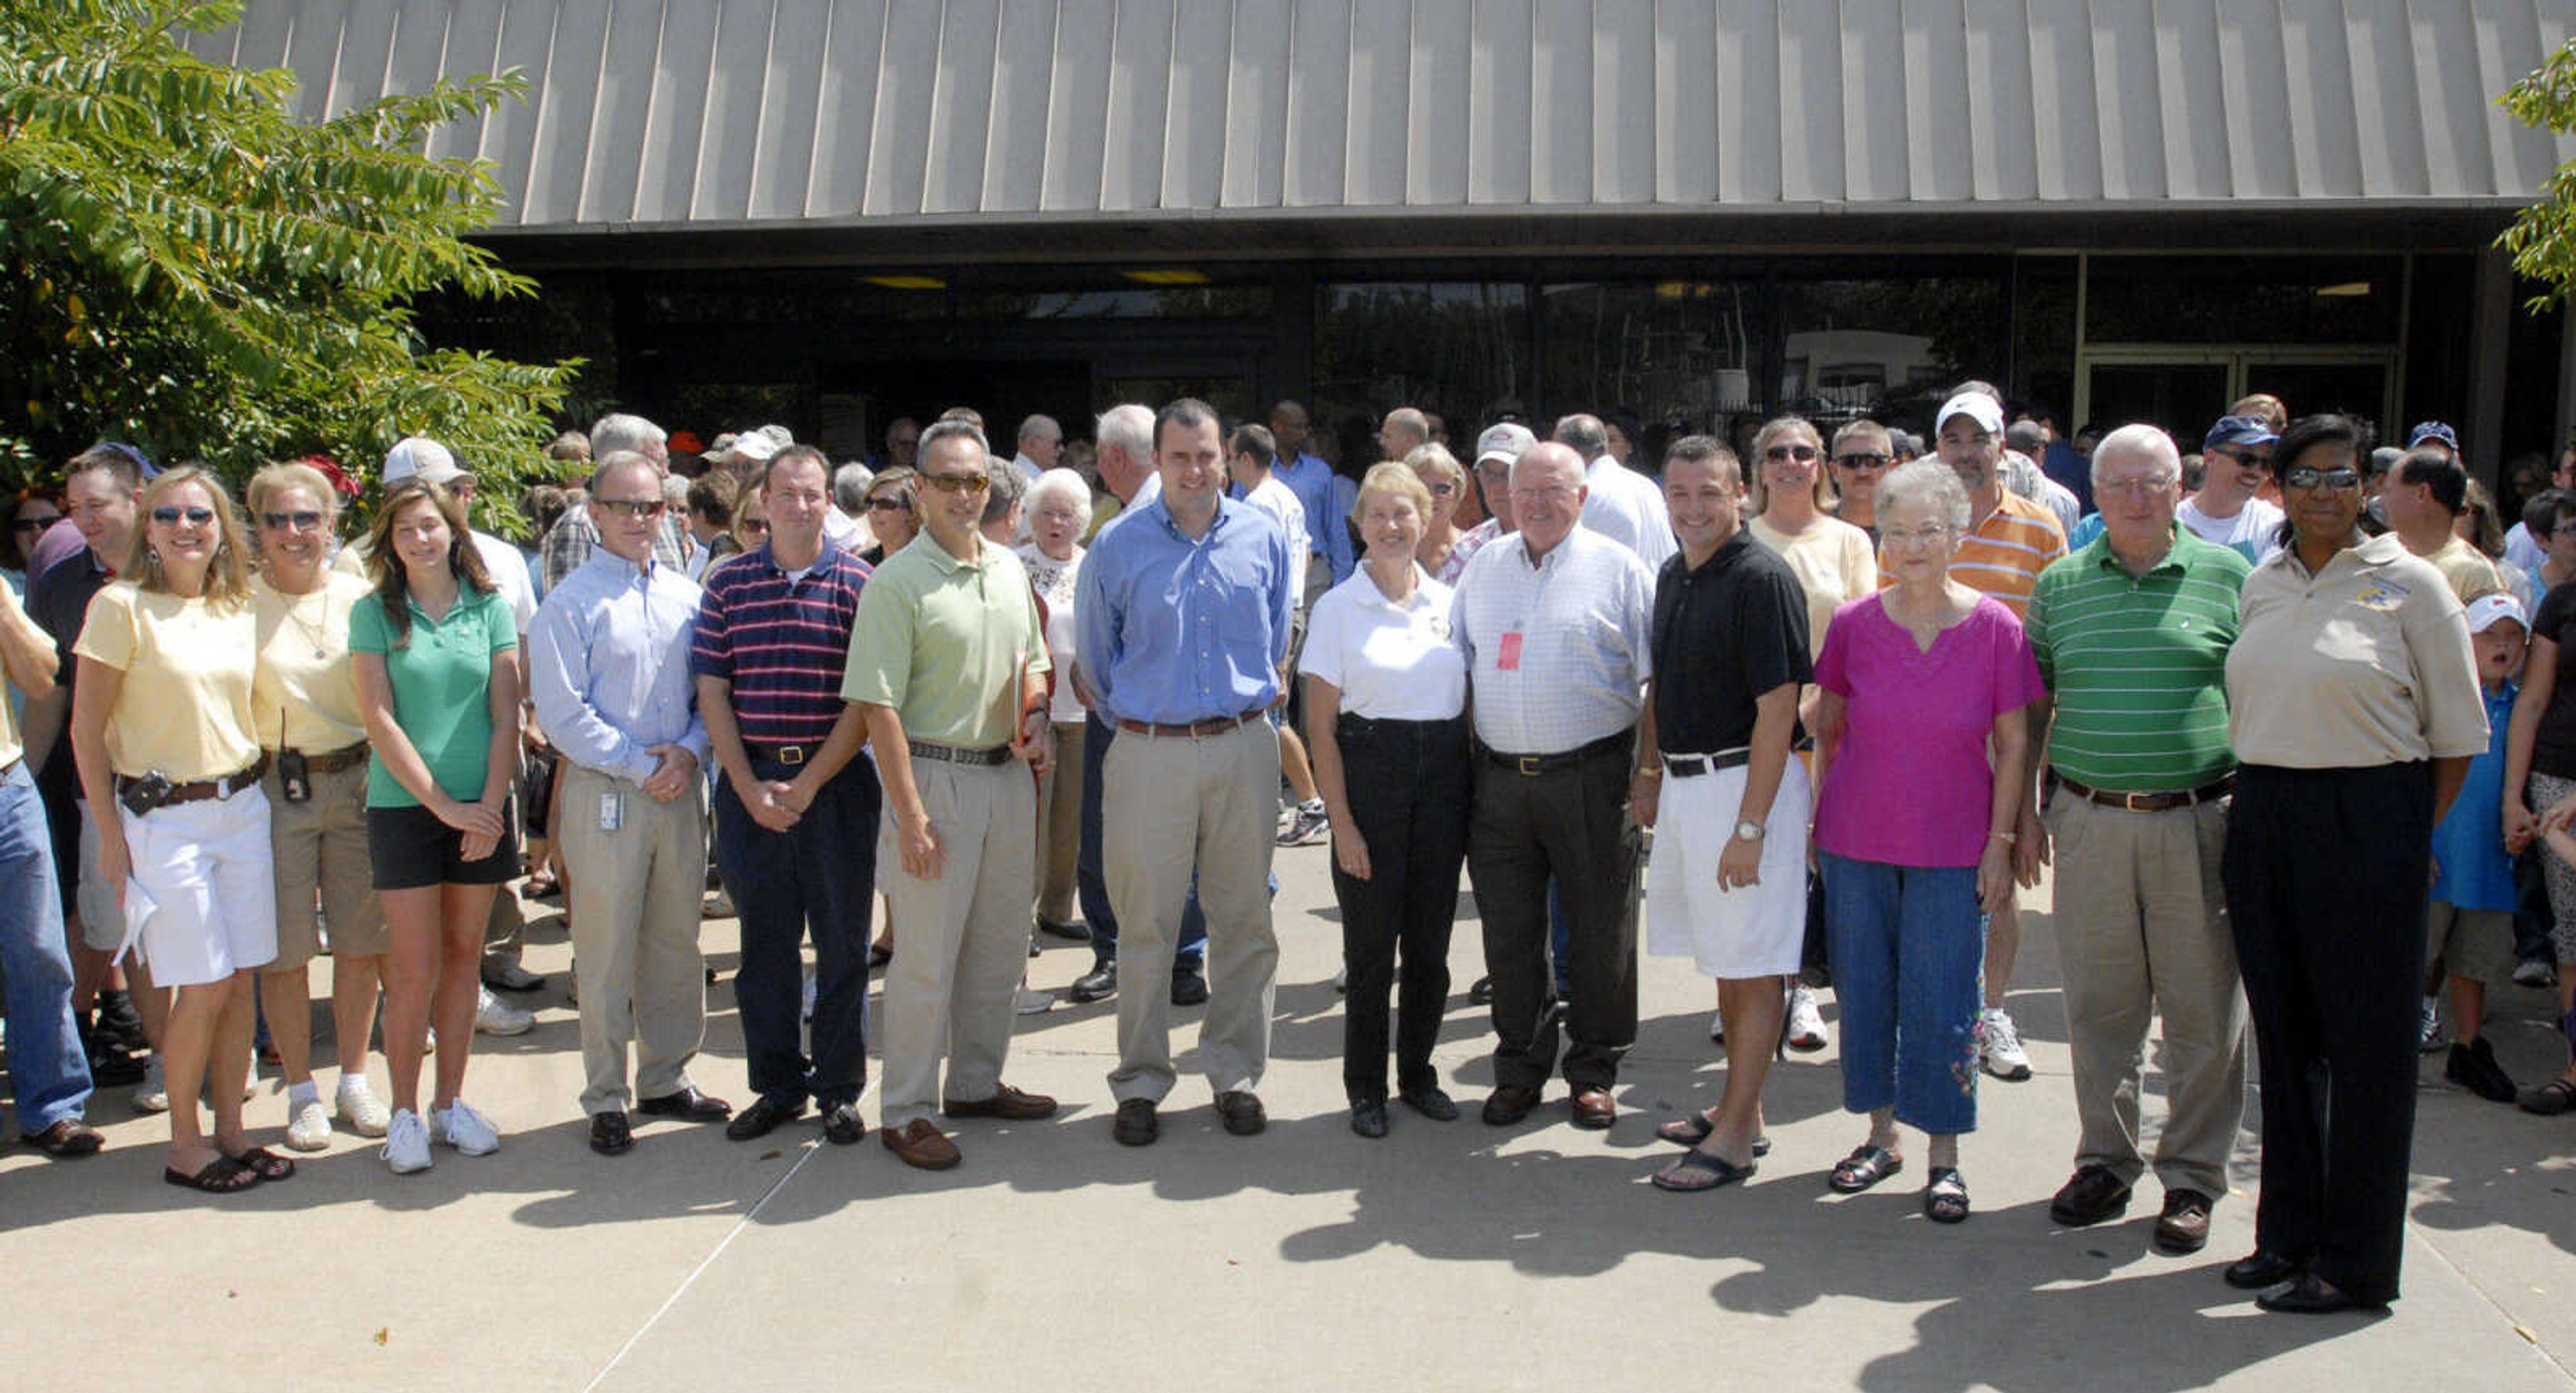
{"type": "Point", "coordinates": [2239, 360]}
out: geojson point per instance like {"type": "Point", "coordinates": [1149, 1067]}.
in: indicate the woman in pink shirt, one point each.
{"type": "Point", "coordinates": [1920, 683]}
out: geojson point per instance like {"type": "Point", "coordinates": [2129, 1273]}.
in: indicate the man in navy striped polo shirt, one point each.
{"type": "Point", "coordinates": [795, 810]}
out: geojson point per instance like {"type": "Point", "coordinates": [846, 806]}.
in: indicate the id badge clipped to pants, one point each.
{"type": "Point", "coordinates": [612, 810]}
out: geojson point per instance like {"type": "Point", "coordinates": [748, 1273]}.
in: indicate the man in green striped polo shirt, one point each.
{"type": "Point", "coordinates": [2132, 633]}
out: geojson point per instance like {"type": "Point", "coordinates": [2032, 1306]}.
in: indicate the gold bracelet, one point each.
{"type": "Point", "coordinates": [2007, 838]}
{"type": "Point", "coordinates": [1648, 771]}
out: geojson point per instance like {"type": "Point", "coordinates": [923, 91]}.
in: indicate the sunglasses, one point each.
{"type": "Point", "coordinates": [169, 517]}
{"type": "Point", "coordinates": [753, 525]}
{"type": "Point", "coordinates": [2306, 478]}
{"type": "Point", "coordinates": [959, 483]}
{"type": "Point", "coordinates": [1780, 453]}
{"type": "Point", "coordinates": [1443, 488]}
{"type": "Point", "coordinates": [888, 505]}
{"type": "Point", "coordinates": [637, 508]}
{"type": "Point", "coordinates": [290, 522]}
{"type": "Point", "coordinates": [1862, 460]}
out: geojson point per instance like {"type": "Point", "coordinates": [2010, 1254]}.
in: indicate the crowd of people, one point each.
{"type": "Point", "coordinates": [1817, 712]}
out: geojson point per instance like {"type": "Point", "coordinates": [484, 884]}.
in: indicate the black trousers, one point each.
{"type": "Point", "coordinates": [819, 877]}
{"type": "Point", "coordinates": [1569, 823]}
{"type": "Point", "coordinates": [1408, 783]}
{"type": "Point", "coordinates": [2326, 875]}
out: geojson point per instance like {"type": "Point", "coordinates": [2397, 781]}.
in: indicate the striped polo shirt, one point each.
{"type": "Point", "coordinates": [2138, 664]}
{"type": "Point", "coordinates": [782, 643]}
{"type": "Point", "coordinates": [2003, 555]}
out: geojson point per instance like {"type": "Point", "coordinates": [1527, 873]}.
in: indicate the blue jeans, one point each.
{"type": "Point", "coordinates": [1092, 886]}
{"type": "Point", "coordinates": [1909, 950]}
{"type": "Point", "coordinates": [45, 1058]}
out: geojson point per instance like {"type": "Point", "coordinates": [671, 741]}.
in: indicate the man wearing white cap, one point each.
{"type": "Point", "coordinates": [1495, 451]}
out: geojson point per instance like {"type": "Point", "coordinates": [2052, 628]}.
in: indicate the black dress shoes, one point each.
{"type": "Point", "coordinates": [1430, 1102]}
{"type": "Point", "coordinates": [1099, 984]}
{"type": "Point", "coordinates": [842, 1125]}
{"type": "Point", "coordinates": [2259, 1269]}
{"type": "Point", "coordinates": [1137, 1125]}
{"type": "Point", "coordinates": [763, 1116]}
{"type": "Point", "coordinates": [610, 1135]}
{"type": "Point", "coordinates": [1072, 933]}
{"type": "Point", "coordinates": [2311, 1295]}
{"type": "Point", "coordinates": [1369, 1119]}
{"type": "Point", "coordinates": [688, 1105]}
{"type": "Point", "coordinates": [1189, 987]}
{"type": "Point", "coordinates": [2092, 1196]}
{"type": "Point", "coordinates": [1242, 1112]}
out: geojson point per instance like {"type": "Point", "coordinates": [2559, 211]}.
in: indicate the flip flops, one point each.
{"type": "Point", "coordinates": [1694, 1171]}
{"type": "Point", "coordinates": [264, 1163]}
{"type": "Point", "coordinates": [1864, 1168]}
{"type": "Point", "coordinates": [1691, 1129]}
{"type": "Point", "coordinates": [220, 1176]}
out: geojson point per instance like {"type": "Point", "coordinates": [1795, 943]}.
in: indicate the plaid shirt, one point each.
{"type": "Point", "coordinates": [574, 536]}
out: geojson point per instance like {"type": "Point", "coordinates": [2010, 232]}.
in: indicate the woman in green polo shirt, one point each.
{"type": "Point", "coordinates": [438, 680]}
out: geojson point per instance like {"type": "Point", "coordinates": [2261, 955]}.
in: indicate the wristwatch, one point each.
{"type": "Point", "coordinates": [1748, 831]}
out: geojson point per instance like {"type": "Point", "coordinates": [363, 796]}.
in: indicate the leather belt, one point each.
{"type": "Point", "coordinates": [1218, 725]}
{"type": "Point", "coordinates": [2151, 802]}
{"type": "Point", "coordinates": [952, 754]}
{"type": "Point", "coordinates": [203, 789]}
{"type": "Point", "coordinates": [784, 754]}
{"type": "Point", "coordinates": [1530, 766]}
{"type": "Point", "coordinates": [333, 761]}
{"type": "Point", "coordinates": [1692, 766]}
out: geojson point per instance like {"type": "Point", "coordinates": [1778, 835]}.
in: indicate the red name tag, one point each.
{"type": "Point", "coordinates": [1508, 659]}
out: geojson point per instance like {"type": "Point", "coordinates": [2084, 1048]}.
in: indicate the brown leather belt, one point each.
{"type": "Point", "coordinates": [1194, 730]}
{"type": "Point", "coordinates": [952, 754]}
{"type": "Point", "coordinates": [333, 761]}
{"type": "Point", "coordinates": [2151, 802]}
{"type": "Point", "coordinates": [203, 789]}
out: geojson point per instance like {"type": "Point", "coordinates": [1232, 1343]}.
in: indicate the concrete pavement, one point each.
{"type": "Point", "coordinates": [1445, 1256]}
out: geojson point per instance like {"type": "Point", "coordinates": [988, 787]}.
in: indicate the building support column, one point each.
{"type": "Point", "coordinates": [2490, 328]}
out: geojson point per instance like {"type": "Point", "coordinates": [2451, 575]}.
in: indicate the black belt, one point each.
{"type": "Point", "coordinates": [1692, 766]}
{"type": "Point", "coordinates": [781, 754]}
{"type": "Point", "coordinates": [952, 754]}
{"type": "Point", "coordinates": [1530, 766]}
{"type": "Point", "coordinates": [2151, 802]}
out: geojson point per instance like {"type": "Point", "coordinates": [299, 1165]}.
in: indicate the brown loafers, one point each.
{"type": "Point", "coordinates": [1593, 1108]}
{"type": "Point", "coordinates": [920, 1144]}
{"type": "Point", "coordinates": [1007, 1103]}
{"type": "Point", "coordinates": [67, 1139]}
{"type": "Point", "coordinates": [2184, 1226]}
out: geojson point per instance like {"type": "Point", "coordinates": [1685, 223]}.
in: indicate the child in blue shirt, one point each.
{"type": "Point", "coordinates": [2473, 895]}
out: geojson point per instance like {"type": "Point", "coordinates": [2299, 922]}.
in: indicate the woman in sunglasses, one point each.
{"type": "Point", "coordinates": [27, 522]}
{"type": "Point", "coordinates": [2354, 709]}
{"type": "Point", "coordinates": [1447, 482]}
{"type": "Point", "coordinates": [304, 708]}
{"type": "Point", "coordinates": [162, 732]}
{"type": "Point", "coordinates": [891, 519]}
{"type": "Point", "coordinates": [438, 678]}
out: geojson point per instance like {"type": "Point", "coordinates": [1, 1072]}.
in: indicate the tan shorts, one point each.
{"type": "Point", "coordinates": [2472, 943]}
{"type": "Point", "coordinates": [323, 877]}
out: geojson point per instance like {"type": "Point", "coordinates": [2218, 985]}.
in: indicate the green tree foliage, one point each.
{"type": "Point", "coordinates": [2542, 238]}
{"type": "Point", "coordinates": [185, 265]}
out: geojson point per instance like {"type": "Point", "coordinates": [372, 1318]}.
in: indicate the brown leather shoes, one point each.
{"type": "Point", "coordinates": [2184, 1226]}
{"type": "Point", "coordinates": [67, 1139]}
{"type": "Point", "coordinates": [1509, 1104]}
{"type": "Point", "coordinates": [1007, 1103]}
{"type": "Point", "coordinates": [1593, 1108]}
{"type": "Point", "coordinates": [920, 1144]}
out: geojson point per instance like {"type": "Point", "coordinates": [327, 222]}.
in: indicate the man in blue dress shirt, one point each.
{"type": "Point", "coordinates": [1183, 614]}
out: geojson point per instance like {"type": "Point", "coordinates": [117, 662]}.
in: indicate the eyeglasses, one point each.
{"type": "Point", "coordinates": [1803, 454]}
{"type": "Point", "coordinates": [290, 522]}
{"type": "Point", "coordinates": [2306, 478]}
{"type": "Point", "coordinates": [959, 483]}
{"type": "Point", "coordinates": [634, 509]}
{"type": "Point", "coordinates": [2245, 459]}
{"type": "Point", "coordinates": [888, 504]}
{"type": "Point", "coordinates": [2139, 487]}
{"type": "Point", "coordinates": [1910, 537]}
{"type": "Point", "coordinates": [1860, 461]}
{"type": "Point", "coordinates": [169, 517]}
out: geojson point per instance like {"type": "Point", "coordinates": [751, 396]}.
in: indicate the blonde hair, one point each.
{"type": "Point", "coordinates": [1773, 430]}
{"type": "Point", "coordinates": [1434, 457]}
{"type": "Point", "coordinates": [227, 571]}
{"type": "Point", "coordinates": [1398, 478]}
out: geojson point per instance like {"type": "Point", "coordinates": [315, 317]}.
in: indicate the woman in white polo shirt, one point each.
{"type": "Point", "coordinates": [1386, 696]}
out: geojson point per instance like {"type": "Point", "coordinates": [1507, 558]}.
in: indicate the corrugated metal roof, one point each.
{"type": "Point", "coordinates": [786, 113]}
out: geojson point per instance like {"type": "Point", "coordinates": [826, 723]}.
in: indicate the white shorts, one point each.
{"type": "Point", "coordinates": [201, 903]}
{"type": "Point", "coordinates": [1757, 930]}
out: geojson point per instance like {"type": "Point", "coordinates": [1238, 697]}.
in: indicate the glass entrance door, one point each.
{"type": "Point", "coordinates": [2182, 390]}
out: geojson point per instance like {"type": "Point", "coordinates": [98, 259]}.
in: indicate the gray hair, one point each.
{"type": "Point", "coordinates": [1129, 427]}
{"type": "Point", "coordinates": [945, 427]}
{"type": "Point", "coordinates": [1925, 480]}
{"type": "Point", "coordinates": [1037, 426]}
{"type": "Point", "coordinates": [1008, 485]}
{"type": "Point", "coordinates": [614, 460]}
{"type": "Point", "coordinates": [1585, 434]}
{"type": "Point", "coordinates": [2141, 439]}
{"type": "Point", "coordinates": [618, 431]}
{"type": "Point", "coordinates": [850, 487]}
{"type": "Point", "coordinates": [675, 490]}
{"type": "Point", "coordinates": [1065, 484]}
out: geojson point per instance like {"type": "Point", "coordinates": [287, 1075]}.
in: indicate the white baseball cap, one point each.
{"type": "Point", "coordinates": [1504, 442]}
{"type": "Point", "coordinates": [1977, 407]}
{"type": "Point", "coordinates": [422, 456]}
{"type": "Point", "coordinates": [2487, 611]}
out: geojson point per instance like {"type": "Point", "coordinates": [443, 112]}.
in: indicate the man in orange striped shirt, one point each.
{"type": "Point", "coordinates": [2010, 540]}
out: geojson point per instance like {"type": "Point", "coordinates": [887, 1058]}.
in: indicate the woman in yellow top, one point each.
{"type": "Point", "coordinates": [162, 733]}
{"type": "Point", "coordinates": [304, 708]}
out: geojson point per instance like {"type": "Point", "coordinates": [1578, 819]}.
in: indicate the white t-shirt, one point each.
{"type": "Point", "coordinates": [1391, 662]}
{"type": "Point", "coordinates": [1280, 502]}
{"type": "Point", "coordinates": [1627, 508]}
{"type": "Point", "coordinates": [2255, 531]}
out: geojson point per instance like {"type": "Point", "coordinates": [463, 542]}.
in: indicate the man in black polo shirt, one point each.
{"type": "Point", "coordinates": [102, 486]}
{"type": "Point", "coordinates": [1727, 885]}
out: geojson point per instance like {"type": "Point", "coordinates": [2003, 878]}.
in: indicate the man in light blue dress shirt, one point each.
{"type": "Point", "coordinates": [608, 658]}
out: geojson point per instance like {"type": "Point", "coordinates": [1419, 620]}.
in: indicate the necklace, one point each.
{"type": "Point", "coordinates": [319, 634]}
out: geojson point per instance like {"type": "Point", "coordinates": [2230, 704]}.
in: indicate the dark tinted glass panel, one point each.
{"type": "Point", "coordinates": [2242, 299]}
{"type": "Point", "coordinates": [1656, 351]}
{"type": "Point", "coordinates": [1887, 349]}
{"type": "Point", "coordinates": [2043, 366]}
{"type": "Point", "coordinates": [1460, 348]}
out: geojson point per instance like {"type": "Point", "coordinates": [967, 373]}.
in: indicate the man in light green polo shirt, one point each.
{"type": "Point", "coordinates": [948, 664]}
{"type": "Point", "coordinates": [2132, 633]}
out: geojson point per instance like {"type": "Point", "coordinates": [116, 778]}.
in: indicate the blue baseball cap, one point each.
{"type": "Point", "coordinates": [2433, 430]}
{"type": "Point", "coordinates": [142, 462]}
{"type": "Point", "coordinates": [2238, 430]}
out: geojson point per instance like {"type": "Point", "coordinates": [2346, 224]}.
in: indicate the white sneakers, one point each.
{"type": "Point", "coordinates": [308, 1125]}
{"type": "Point", "coordinates": [2429, 1034]}
{"type": "Point", "coordinates": [357, 1106]}
{"type": "Point", "coordinates": [2005, 1058]}
{"type": "Point", "coordinates": [152, 1095]}
{"type": "Point", "coordinates": [493, 1016]}
{"type": "Point", "coordinates": [406, 1147]}
{"type": "Point", "coordinates": [460, 1126]}
{"type": "Point", "coordinates": [1806, 1023]}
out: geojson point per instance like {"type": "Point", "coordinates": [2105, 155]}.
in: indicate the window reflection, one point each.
{"type": "Point", "coordinates": [1886, 349]}
{"type": "Point", "coordinates": [1670, 354]}
{"type": "Point", "coordinates": [1459, 348]}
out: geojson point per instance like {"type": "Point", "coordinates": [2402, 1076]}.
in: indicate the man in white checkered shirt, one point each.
{"type": "Point", "coordinates": [1555, 622]}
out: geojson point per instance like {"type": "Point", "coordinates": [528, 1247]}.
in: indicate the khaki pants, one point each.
{"type": "Point", "coordinates": [634, 899]}
{"type": "Point", "coordinates": [1060, 827]}
{"type": "Point", "coordinates": [2142, 927]}
{"type": "Point", "coordinates": [1181, 805]}
{"type": "Point", "coordinates": [954, 982]}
